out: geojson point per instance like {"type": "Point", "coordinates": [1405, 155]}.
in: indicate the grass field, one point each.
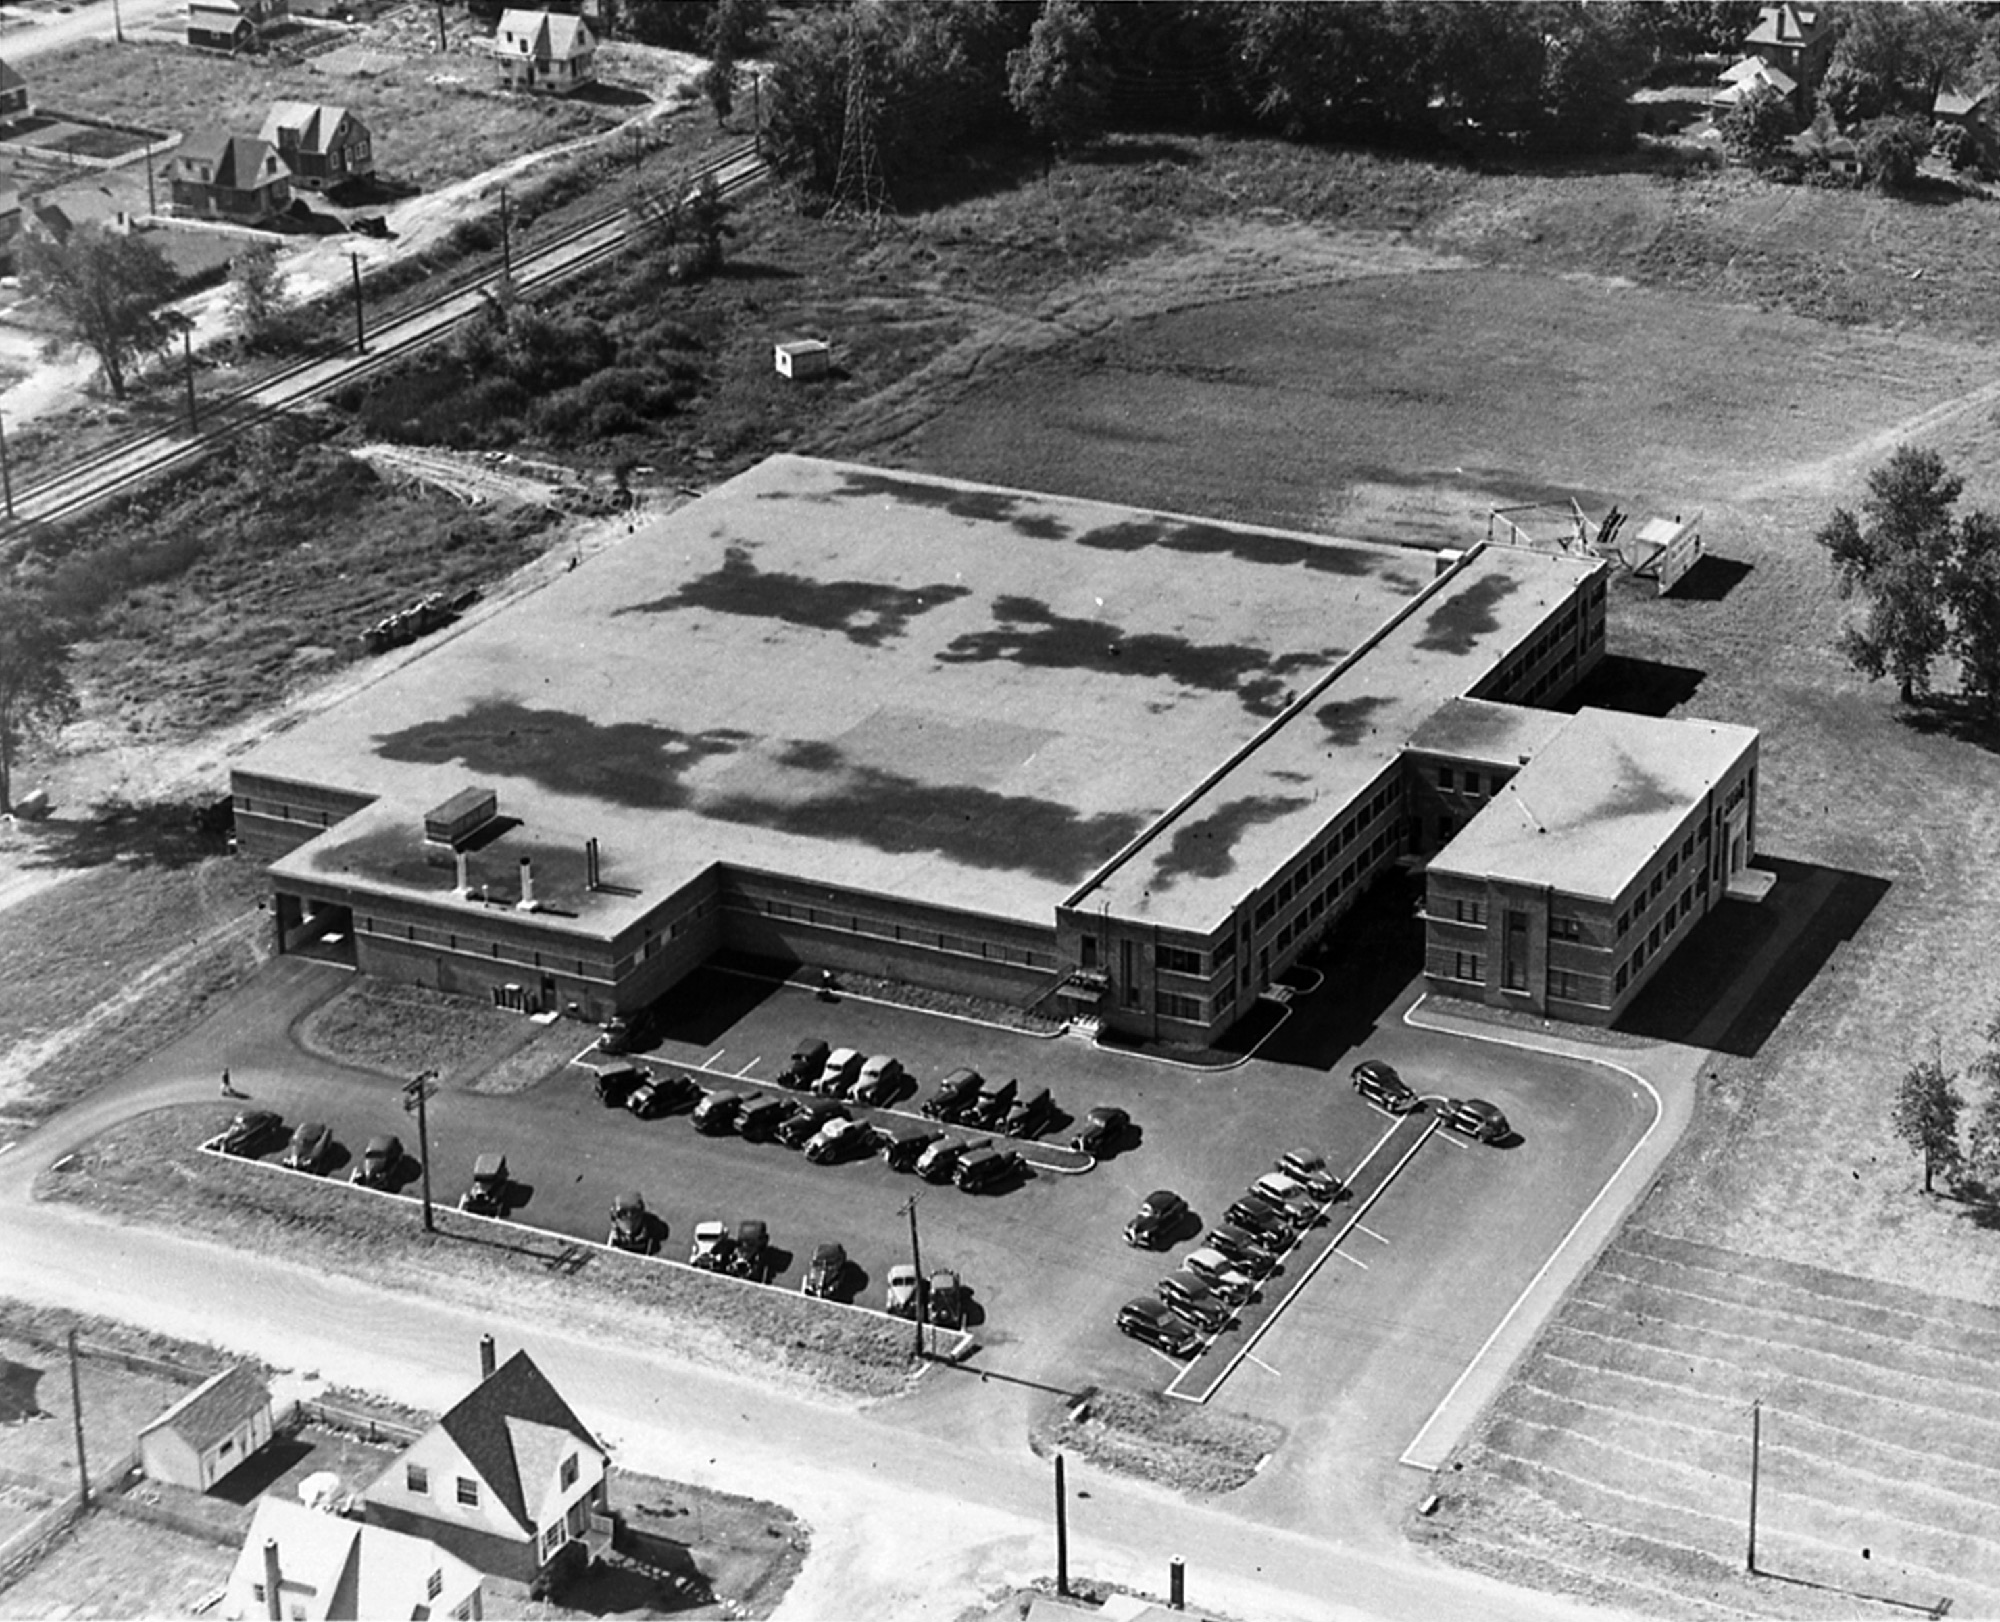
{"type": "Point", "coordinates": [150, 1169]}
{"type": "Point", "coordinates": [1191, 1449]}
{"type": "Point", "coordinates": [399, 1030]}
{"type": "Point", "coordinates": [111, 1566]}
{"type": "Point", "coordinates": [424, 134]}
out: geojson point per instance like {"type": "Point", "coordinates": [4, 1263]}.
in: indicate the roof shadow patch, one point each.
{"type": "Point", "coordinates": [1347, 719]}
{"type": "Point", "coordinates": [964, 823]}
{"type": "Point", "coordinates": [1462, 618]}
{"type": "Point", "coordinates": [868, 612]}
{"type": "Point", "coordinates": [1028, 632]}
{"type": "Point", "coordinates": [1636, 792]}
{"type": "Point", "coordinates": [1205, 848]}
{"type": "Point", "coordinates": [632, 763]}
{"type": "Point", "coordinates": [979, 506]}
{"type": "Point", "coordinates": [1212, 540]}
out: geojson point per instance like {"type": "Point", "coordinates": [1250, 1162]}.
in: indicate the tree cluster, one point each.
{"type": "Point", "coordinates": [1929, 1116]}
{"type": "Point", "coordinates": [108, 290]}
{"type": "Point", "coordinates": [1928, 575]}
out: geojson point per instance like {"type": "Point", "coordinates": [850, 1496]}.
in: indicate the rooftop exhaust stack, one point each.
{"type": "Point", "coordinates": [273, 1607]}
{"type": "Point", "coordinates": [527, 901]}
{"type": "Point", "coordinates": [591, 870]}
{"type": "Point", "coordinates": [485, 1357]}
{"type": "Point", "coordinates": [463, 889]}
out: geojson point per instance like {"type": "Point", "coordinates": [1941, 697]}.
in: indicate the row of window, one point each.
{"type": "Point", "coordinates": [853, 923]}
{"type": "Point", "coordinates": [1662, 930]}
{"type": "Point", "coordinates": [1662, 878]}
{"type": "Point", "coordinates": [676, 928]}
{"type": "Point", "coordinates": [244, 806]}
{"type": "Point", "coordinates": [1172, 1005]}
{"type": "Point", "coordinates": [1467, 781]}
{"type": "Point", "coordinates": [1300, 878]}
{"type": "Point", "coordinates": [451, 941]}
{"type": "Point", "coordinates": [1177, 959]}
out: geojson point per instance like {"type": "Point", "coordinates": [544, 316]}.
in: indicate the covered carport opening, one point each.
{"type": "Point", "coordinates": [315, 926]}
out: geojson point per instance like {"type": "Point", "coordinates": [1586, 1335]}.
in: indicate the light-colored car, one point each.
{"type": "Point", "coordinates": [1213, 1269]}
{"type": "Point", "coordinates": [1289, 1193]}
{"type": "Point", "coordinates": [840, 1140]}
{"type": "Point", "coordinates": [881, 1081]}
{"type": "Point", "coordinates": [710, 1250]}
{"type": "Point", "coordinates": [842, 1066]}
{"type": "Point", "coordinates": [903, 1287]}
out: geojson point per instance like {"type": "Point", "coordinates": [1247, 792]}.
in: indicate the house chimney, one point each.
{"type": "Point", "coordinates": [527, 901]}
{"type": "Point", "coordinates": [464, 887]}
{"type": "Point", "coordinates": [485, 1357]}
{"type": "Point", "coordinates": [273, 1606]}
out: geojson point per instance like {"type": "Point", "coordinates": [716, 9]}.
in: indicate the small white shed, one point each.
{"type": "Point", "coordinates": [210, 1431]}
{"type": "Point", "coordinates": [801, 358]}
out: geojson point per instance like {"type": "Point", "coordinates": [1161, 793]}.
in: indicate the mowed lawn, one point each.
{"type": "Point", "coordinates": [1402, 404]}
{"type": "Point", "coordinates": [424, 134]}
{"type": "Point", "coordinates": [111, 1566]}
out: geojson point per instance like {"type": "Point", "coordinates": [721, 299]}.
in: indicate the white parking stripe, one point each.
{"type": "Point", "coordinates": [1372, 1234]}
{"type": "Point", "coordinates": [709, 1062]}
{"type": "Point", "coordinates": [1252, 1357]}
{"type": "Point", "coordinates": [1358, 1262]}
{"type": "Point", "coordinates": [752, 1065]}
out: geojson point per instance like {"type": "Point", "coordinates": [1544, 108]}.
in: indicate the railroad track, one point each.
{"type": "Point", "coordinates": [128, 463]}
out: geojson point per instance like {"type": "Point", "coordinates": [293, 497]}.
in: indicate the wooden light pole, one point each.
{"type": "Point", "coordinates": [76, 1416]}
{"type": "Point", "coordinates": [1756, 1448]}
{"type": "Point", "coordinates": [1062, 1534]}
{"type": "Point", "coordinates": [360, 331]}
{"type": "Point", "coordinates": [917, 1261]}
{"type": "Point", "coordinates": [414, 1096]}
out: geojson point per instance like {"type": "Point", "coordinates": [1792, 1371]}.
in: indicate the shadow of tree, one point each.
{"type": "Point", "coordinates": [171, 833]}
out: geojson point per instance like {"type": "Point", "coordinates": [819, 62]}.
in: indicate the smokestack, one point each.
{"type": "Point", "coordinates": [590, 869]}
{"type": "Point", "coordinates": [464, 888]}
{"type": "Point", "coordinates": [527, 901]}
{"type": "Point", "coordinates": [273, 1606]}
{"type": "Point", "coordinates": [485, 1357]}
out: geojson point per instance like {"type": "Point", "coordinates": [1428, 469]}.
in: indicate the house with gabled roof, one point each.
{"type": "Point", "coordinates": [13, 93]}
{"type": "Point", "coordinates": [216, 175]}
{"type": "Point", "coordinates": [1798, 39]}
{"type": "Point", "coordinates": [319, 1567]}
{"type": "Point", "coordinates": [210, 1431]}
{"type": "Point", "coordinates": [232, 25]}
{"type": "Point", "coordinates": [507, 1480]}
{"type": "Point", "coordinates": [324, 147]}
{"type": "Point", "coordinates": [1753, 73]}
{"type": "Point", "coordinates": [544, 50]}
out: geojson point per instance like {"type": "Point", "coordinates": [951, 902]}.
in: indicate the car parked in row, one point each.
{"type": "Point", "coordinates": [492, 1186]}
{"type": "Point", "coordinates": [380, 1160]}
{"type": "Point", "coordinates": [1379, 1084]}
{"type": "Point", "coordinates": [808, 1120]}
{"type": "Point", "coordinates": [311, 1147]}
{"type": "Point", "coordinates": [986, 1169]}
{"type": "Point", "coordinates": [615, 1083]}
{"type": "Point", "coordinates": [1289, 1195]}
{"type": "Point", "coordinates": [1243, 1248]}
{"type": "Point", "coordinates": [249, 1132]}
{"type": "Point", "coordinates": [1187, 1297]}
{"type": "Point", "coordinates": [1267, 1224]}
{"type": "Point", "coordinates": [1309, 1167]}
{"type": "Point", "coordinates": [711, 1249]}
{"type": "Point", "coordinates": [761, 1116]}
{"type": "Point", "coordinates": [953, 1094]}
{"type": "Point", "coordinates": [1152, 1322]}
{"type": "Point", "coordinates": [1104, 1130]}
{"type": "Point", "coordinates": [659, 1095]}
{"type": "Point", "coordinates": [840, 1140]}
{"type": "Point", "coordinates": [750, 1256]}
{"type": "Point", "coordinates": [905, 1290]}
{"type": "Point", "coordinates": [937, 1163]}
{"type": "Point", "coordinates": [906, 1147]}
{"type": "Point", "coordinates": [718, 1110]}
{"type": "Point", "coordinates": [1159, 1214]}
{"type": "Point", "coordinates": [827, 1272]}
{"type": "Point", "coordinates": [1030, 1117]}
{"type": "Point", "coordinates": [881, 1082]}
{"type": "Point", "coordinates": [989, 1109]}
{"type": "Point", "coordinates": [944, 1304]}
{"type": "Point", "coordinates": [1214, 1269]}
{"type": "Point", "coordinates": [805, 1064]}
{"type": "Point", "coordinates": [633, 1227]}
{"type": "Point", "coordinates": [1475, 1118]}
{"type": "Point", "coordinates": [840, 1072]}
{"type": "Point", "coordinates": [621, 1033]}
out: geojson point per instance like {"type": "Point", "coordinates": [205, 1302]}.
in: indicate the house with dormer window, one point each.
{"type": "Point", "coordinates": [544, 50]}
{"type": "Point", "coordinates": [507, 1480]}
{"type": "Point", "coordinates": [216, 175]}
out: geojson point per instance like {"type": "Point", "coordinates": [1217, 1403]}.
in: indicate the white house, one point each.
{"type": "Point", "coordinates": [544, 50]}
{"type": "Point", "coordinates": [304, 1563]}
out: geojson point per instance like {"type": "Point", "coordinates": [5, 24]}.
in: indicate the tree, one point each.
{"type": "Point", "coordinates": [1898, 553]}
{"type": "Point", "coordinates": [35, 691]}
{"type": "Point", "coordinates": [1972, 599]}
{"type": "Point", "coordinates": [1982, 1157]}
{"type": "Point", "coordinates": [718, 84]}
{"type": "Point", "coordinates": [1755, 129]}
{"type": "Point", "coordinates": [1928, 1105]}
{"type": "Point", "coordinates": [734, 29]}
{"type": "Point", "coordinates": [257, 293]}
{"type": "Point", "coordinates": [1049, 80]}
{"type": "Point", "coordinates": [683, 231]}
{"type": "Point", "coordinates": [106, 288]}
{"type": "Point", "coordinates": [1895, 58]}
{"type": "Point", "coordinates": [1890, 149]}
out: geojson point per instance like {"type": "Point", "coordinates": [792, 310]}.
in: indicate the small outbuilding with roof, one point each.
{"type": "Point", "coordinates": [210, 1431]}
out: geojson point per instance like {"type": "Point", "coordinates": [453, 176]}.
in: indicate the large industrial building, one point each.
{"type": "Point", "coordinates": [1120, 765]}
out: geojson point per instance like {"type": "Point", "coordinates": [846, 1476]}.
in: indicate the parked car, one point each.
{"type": "Point", "coordinates": [828, 1270]}
{"type": "Point", "coordinates": [1269, 1224]}
{"type": "Point", "coordinates": [1242, 1247]}
{"type": "Point", "coordinates": [807, 1059]}
{"type": "Point", "coordinates": [632, 1226]}
{"type": "Point", "coordinates": [621, 1033]}
{"type": "Point", "coordinates": [841, 1070]}
{"type": "Point", "coordinates": [490, 1184]}
{"type": "Point", "coordinates": [751, 1257]}
{"type": "Point", "coordinates": [906, 1147]}
{"type": "Point", "coordinates": [1031, 1116]}
{"type": "Point", "coordinates": [1475, 1118]}
{"type": "Point", "coordinates": [615, 1083]}
{"type": "Point", "coordinates": [840, 1140]}
{"type": "Point", "coordinates": [717, 1111]}
{"type": "Point", "coordinates": [953, 1094]}
{"type": "Point", "coordinates": [1214, 1270]}
{"type": "Point", "coordinates": [881, 1082]}
{"type": "Point", "coordinates": [1193, 1300]}
{"type": "Point", "coordinates": [661, 1094]}
{"type": "Point", "coordinates": [904, 1287]}
{"type": "Point", "coordinates": [310, 1147]}
{"type": "Point", "coordinates": [990, 1108]}
{"type": "Point", "coordinates": [249, 1131]}
{"type": "Point", "coordinates": [937, 1163]}
{"type": "Point", "coordinates": [805, 1124]}
{"type": "Point", "coordinates": [1153, 1323]}
{"type": "Point", "coordinates": [1289, 1193]}
{"type": "Point", "coordinates": [1103, 1130]}
{"type": "Point", "coordinates": [380, 1161]}
{"type": "Point", "coordinates": [1379, 1084]}
{"type": "Point", "coordinates": [945, 1306]}
{"type": "Point", "coordinates": [1309, 1167]}
{"type": "Point", "coordinates": [1158, 1215]}
{"type": "Point", "coordinates": [986, 1170]}
{"type": "Point", "coordinates": [760, 1117]}
{"type": "Point", "coordinates": [710, 1250]}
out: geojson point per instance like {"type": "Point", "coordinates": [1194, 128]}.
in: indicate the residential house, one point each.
{"type": "Point", "coordinates": [324, 147]}
{"type": "Point", "coordinates": [1796, 39]}
{"type": "Point", "coordinates": [1971, 110]}
{"type": "Point", "coordinates": [216, 175]}
{"type": "Point", "coordinates": [1753, 73]}
{"type": "Point", "coordinates": [1822, 146]}
{"type": "Point", "coordinates": [232, 25]}
{"type": "Point", "coordinates": [544, 50]}
{"type": "Point", "coordinates": [312, 1565]}
{"type": "Point", "coordinates": [508, 1480]}
{"type": "Point", "coordinates": [210, 1431]}
{"type": "Point", "coordinates": [13, 93]}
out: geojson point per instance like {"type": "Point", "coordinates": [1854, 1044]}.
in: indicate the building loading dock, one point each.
{"type": "Point", "coordinates": [1117, 763]}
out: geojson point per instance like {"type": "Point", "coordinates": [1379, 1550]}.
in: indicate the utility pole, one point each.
{"type": "Point", "coordinates": [76, 1414]}
{"type": "Point", "coordinates": [1062, 1534]}
{"type": "Point", "coordinates": [1756, 1447]}
{"type": "Point", "coordinates": [413, 1099]}
{"type": "Point", "coordinates": [117, 22]}
{"type": "Point", "coordinates": [443, 43]}
{"type": "Point", "coordinates": [360, 331]}
{"type": "Point", "coordinates": [6, 471]}
{"type": "Point", "coordinates": [917, 1261]}
{"type": "Point", "coordinates": [152, 203]}
{"type": "Point", "coordinates": [506, 239]}
{"type": "Point", "coordinates": [187, 354]}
